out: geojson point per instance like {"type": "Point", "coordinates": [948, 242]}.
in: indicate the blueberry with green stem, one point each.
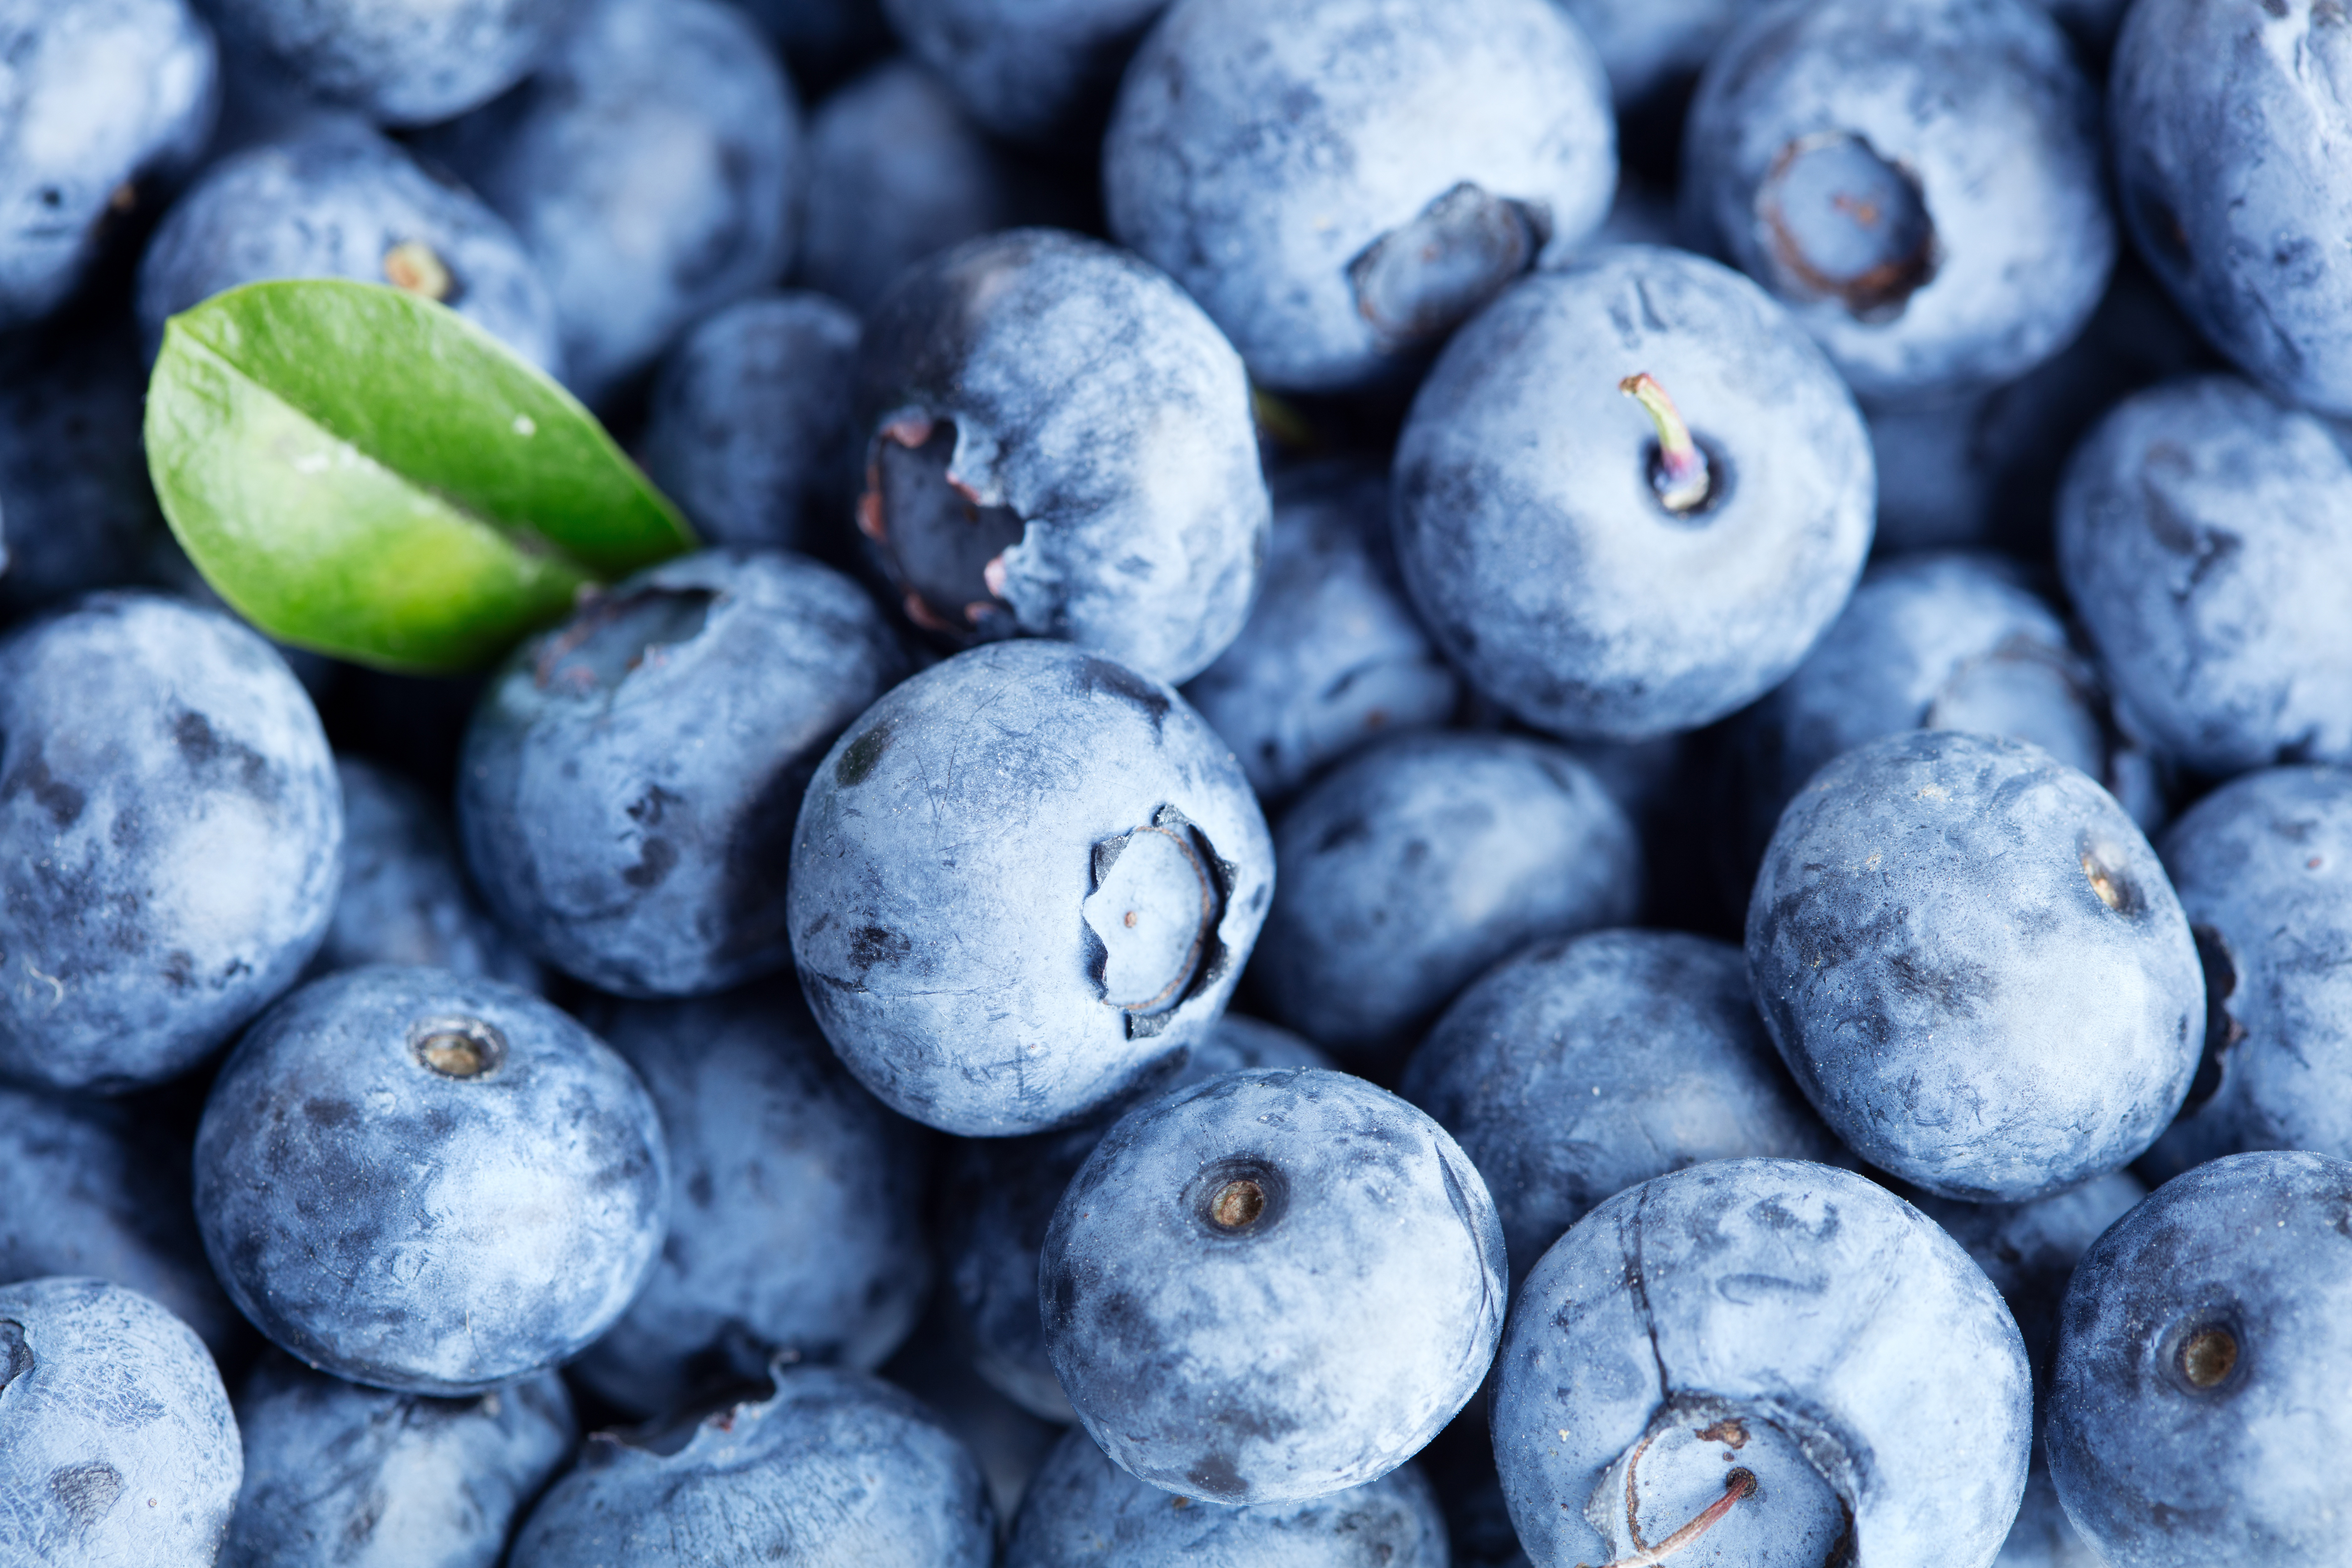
{"type": "Point", "coordinates": [1679, 471]}
{"type": "Point", "coordinates": [1601, 585]}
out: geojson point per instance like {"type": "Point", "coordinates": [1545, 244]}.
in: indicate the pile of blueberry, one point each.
{"type": "Point", "coordinates": [1448, 782]}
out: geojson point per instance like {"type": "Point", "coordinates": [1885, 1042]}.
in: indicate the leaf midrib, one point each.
{"type": "Point", "coordinates": [525, 538]}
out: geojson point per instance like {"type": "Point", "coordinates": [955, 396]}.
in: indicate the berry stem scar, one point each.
{"type": "Point", "coordinates": [1680, 475]}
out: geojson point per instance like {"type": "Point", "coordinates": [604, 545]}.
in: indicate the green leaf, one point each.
{"type": "Point", "coordinates": [366, 473]}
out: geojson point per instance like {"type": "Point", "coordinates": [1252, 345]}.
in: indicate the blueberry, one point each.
{"type": "Point", "coordinates": [2194, 1414]}
{"type": "Point", "coordinates": [336, 200]}
{"type": "Point", "coordinates": [117, 1443]}
{"type": "Point", "coordinates": [405, 898]}
{"type": "Point", "coordinates": [76, 504]}
{"type": "Point", "coordinates": [360, 1478]}
{"type": "Point", "coordinates": [429, 1182]}
{"type": "Point", "coordinates": [1081, 1508]}
{"type": "Point", "coordinates": [2200, 536]}
{"type": "Point", "coordinates": [1332, 656]}
{"type": "Point", "coordinates": [2029, 1251]}
{"type": "Point", "coordinates": [94, 1191]}
{"type": "Point", "coordinates": [1893, 172]}
{"type": "Point", "coordinates": [1341, 182]}
{"type": "Point", "coordinates": [796, 1203]}
{"type": "Point", "coordinates": [1972, 962]}
{"type": "Point", "coordinates": [1981, 470]}
{"type": "Point", "coordinates": [1415, 865]}
{"type": "Point", "coordinates": [749, 430]}
{"type": "Point", "coordinates": [1931, 642]}
{"type": "Point", "coordinates": [649, 166]}
{"type": "Point", "coordinates": [2259, 865]}
{"type": "Point", "coordinates": [2224, 120]}
{"type": "Point", "coordinates": [1590, 579]}
{"type": "Point", "coordinates": [1058, 443]}
{"type": "Point", "coordinates": [107, 100]}
{"type": "Point", "coordinates": [1783, 1351]}
{"type": "Point", "coordinates": [628, 786]}
{"type": "Point", "coordinates": [834, 1468]}
{"type": "Point", "coordinates": [396, 61]}
{"type": "Point", "coordinates": [999, 1195]}
{"type": "Point", "coordinates": [1272, 1286]}
{"type": "Point", "coordinates": [1042, 74]}
{"type": "Point", "coordinates": [1022, 888]}
{"type": "Point", "coordinates": [1578, 1069]}
{"type": "Point", "coordinates": [896, 174]}
{"type": "Point", "coordinates": [170, 839]}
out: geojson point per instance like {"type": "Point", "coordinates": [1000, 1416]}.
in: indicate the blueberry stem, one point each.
{"type": "Point", "coordinates": [1681, 477]}
{"type": "Point", "coordinates": [1738, 1484]}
